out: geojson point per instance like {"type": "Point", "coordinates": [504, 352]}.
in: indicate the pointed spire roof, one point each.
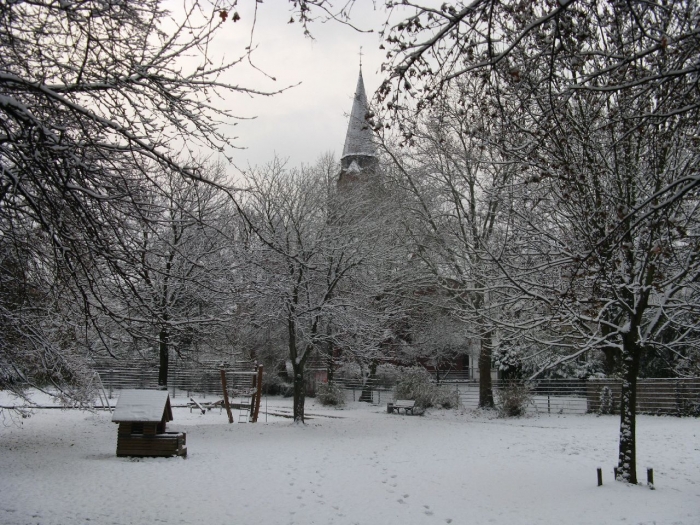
{"type": "Point", "coordinates": [358, 140]}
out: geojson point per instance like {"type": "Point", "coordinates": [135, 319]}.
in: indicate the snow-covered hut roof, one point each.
{"type": "Point", "coordinates": [148, 406]}
{"type": "Point", "coordinates": [358, 140]}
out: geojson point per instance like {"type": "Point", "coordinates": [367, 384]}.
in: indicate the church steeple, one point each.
{"type": "Point", "coordinates": [359, 159]}
{"type": "Point", "coordinates": [358, 140]}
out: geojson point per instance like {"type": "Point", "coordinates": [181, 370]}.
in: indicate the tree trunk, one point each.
{"type": "Point", "coordinates": [485, 385]}
{"type": "Point", "coordinates": [299, 392]}
{"type": "Point", "coordinates": [164, 347]}
{"type": "Point", "coordinates": [627, 458]}
{"type": "Point", "coordinates": [330, 371]}
{"type": "Point", "coordinates": [329, 355]}
{"type": "Point", "coordinates": [298, 370]}
{"type": "Point", "coordinates": [610, 362]}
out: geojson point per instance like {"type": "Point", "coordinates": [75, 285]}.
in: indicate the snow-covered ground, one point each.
{"type": "Point", "coordinates": [359, 465]}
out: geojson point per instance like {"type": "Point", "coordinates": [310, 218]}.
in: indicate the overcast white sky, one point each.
{"type": "Point", "coordinates": [310, 119]}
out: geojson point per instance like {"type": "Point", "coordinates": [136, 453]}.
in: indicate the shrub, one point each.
{"type": "Point", "coordinates": [607, 401]}
{"type": "Point", "coordinates": [446, 397]}
{"type": "Point", "coordinates": [685, 404]}
{"type": "Point", "coordinates": [387, 375]}
{"type": "Point", "coordinates": [416, 383]}
{"type": "Point", "coordinates": [287, 389]}
{"type": "Point", "coordinates": [512, 399]}
{"type": "Point", "coordinates": [330, 394]}
{"type": "Point", "coordinates": [272, 384]}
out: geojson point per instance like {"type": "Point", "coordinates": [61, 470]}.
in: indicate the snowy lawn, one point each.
{"type": "Point", "coordinates": [361, 466]}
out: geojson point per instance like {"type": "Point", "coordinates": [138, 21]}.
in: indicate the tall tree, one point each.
{"type": "Point", "coordinates": [599, 108]}
{"type": "Point", "coordinates": [176, 290]}
{"type": "Point", "coordinates": [458, 195]}
{"type": "Point", "coordinates": [93, 94]}
{"type": "Point", "coordinates": [314, 259]}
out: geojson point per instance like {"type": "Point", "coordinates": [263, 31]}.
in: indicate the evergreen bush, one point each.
{"type": "Point", "coordinates": [607, 401]}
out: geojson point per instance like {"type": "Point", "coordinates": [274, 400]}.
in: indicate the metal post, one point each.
{"type": "Point", "coordinates": [650, 478]}
{"type": "Point", "coordinates": [600, 477]}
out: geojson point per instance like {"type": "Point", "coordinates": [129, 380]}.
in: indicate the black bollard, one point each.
{"type": "Point", "coordinates": [650, 478]}
{"type": "Point", "coordinates": [600, 477]}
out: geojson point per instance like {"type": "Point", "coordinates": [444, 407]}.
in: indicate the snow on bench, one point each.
{"type": "Point", "coordinates": [405, 404]}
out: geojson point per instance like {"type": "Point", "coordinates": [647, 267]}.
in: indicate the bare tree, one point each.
{"type": "Point", "coordinates": [42, 341]}
{"type": "Point", "coordinates": [624, 286]}
{"type": "Point", "coordinates": [175, 291]}
{"type": "Point", "coordinates": [598, 108]}
{"type": "Point", "coordinates": [93, 96]}
{"type": "Point", "coordinates": [458, 196]}
{"type": "Point", "coordinates": [314, 260]}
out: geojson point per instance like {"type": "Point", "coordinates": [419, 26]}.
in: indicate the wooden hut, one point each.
{"type": "Point", "coordinates": [142, 416]}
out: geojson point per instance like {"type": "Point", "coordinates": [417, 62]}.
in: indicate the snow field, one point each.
{"type": "Point", "coordinates": [366, 467]}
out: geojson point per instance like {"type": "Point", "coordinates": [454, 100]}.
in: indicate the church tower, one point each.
{"type": "Point", "coordinates": [359, 160]}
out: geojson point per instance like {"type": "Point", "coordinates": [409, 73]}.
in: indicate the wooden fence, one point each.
{"type": "Point", "coordinates": [201, 377]}
{"type": "Point", "coordinates": [678, 397]}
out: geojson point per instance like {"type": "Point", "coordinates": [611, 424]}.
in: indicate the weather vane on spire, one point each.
{"type": "Point", "coordinates": [360, 57]}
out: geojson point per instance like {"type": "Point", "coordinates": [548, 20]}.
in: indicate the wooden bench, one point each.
{"type": "Point", "coordinates": [406, 404]}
